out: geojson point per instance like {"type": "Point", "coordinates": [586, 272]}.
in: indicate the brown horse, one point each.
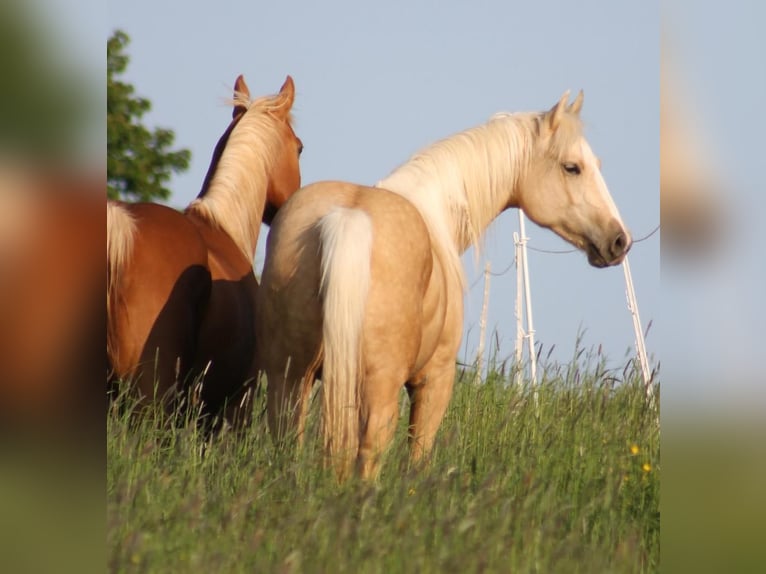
{"type": "Point", "coordinates": [366, 283]}
{"type": "Point", "coordinates": [181, 292]}
{"type": "Point", "coordinates": [51, 271]}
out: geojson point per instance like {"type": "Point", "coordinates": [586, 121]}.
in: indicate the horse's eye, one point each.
{"type": "Point", "coordinates": [571, 168]}
{"type": "Point", "coordinates": [300, 148]}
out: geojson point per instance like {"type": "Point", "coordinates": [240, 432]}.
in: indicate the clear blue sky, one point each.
{"type": "Point", "coordinates": [376, 82]}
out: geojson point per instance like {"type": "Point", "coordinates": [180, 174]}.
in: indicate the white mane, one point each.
{"type": "Point", "coordinates": [461, 183]}
{"type": "Point", "coordinates": [236, 197]}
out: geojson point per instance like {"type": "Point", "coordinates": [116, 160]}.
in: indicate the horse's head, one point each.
{"type": "Point", "coordinates": [285, 178]}
{"type": "Point", "coordinates": [563, 188]}
{"type": "Point", "coordinates": [284, 173]}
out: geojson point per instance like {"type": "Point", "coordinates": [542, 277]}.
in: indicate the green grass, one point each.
{"type": "Point", "coordinates": [515, 485]}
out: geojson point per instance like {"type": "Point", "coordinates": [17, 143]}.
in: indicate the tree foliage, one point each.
{"type": "Point", "coordinates": [139, 161]}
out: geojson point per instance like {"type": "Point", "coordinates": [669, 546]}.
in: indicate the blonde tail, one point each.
{"type": "Point", "coordinates": [346, 240]}
{"type": "Point", "coordinates": [120, 230]}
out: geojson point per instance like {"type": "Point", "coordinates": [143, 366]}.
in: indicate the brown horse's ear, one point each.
{"type": "Point", "coordinates": [241, 89]}
{"type": "Point", "coordinates": [553, 116]}
{"type": "Point", "coordinates": [286, 96]}
{"type": "Point", "coordinates": [576, 106]}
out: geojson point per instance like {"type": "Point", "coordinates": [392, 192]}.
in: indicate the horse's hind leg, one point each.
{"type": "Point", "coordinates": [379, 414]}
{"type": "Point", "coordinates": [429, 403]}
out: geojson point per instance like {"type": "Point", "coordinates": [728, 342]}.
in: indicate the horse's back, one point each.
{"type": "Point", "coordinates": [387, 210]}
{"type": "Point", "coordinates": [399, 232]}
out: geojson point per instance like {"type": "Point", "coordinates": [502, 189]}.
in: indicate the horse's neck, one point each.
{"type": "Point", "coordinates": [471, 225]}
{"type": "Point", "coordinates": [460, 185]}
{"type": "Point", "coordinates": [235, 199]}
{"type": "Point", "coordinates": [459, 204]}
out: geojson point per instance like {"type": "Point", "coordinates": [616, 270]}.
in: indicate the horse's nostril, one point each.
{"type": "Point", "coordinates": [619, 244]}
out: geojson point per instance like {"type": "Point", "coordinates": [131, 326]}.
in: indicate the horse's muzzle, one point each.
{"type": "Point", "coordinates": [610, 252]}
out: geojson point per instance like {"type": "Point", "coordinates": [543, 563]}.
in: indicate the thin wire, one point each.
{"type": "Point", "coordinates": [652, 232]}
{"type": "Point", "coordinates": [559, 252]}
{"type": "Point", "coordinates": [494, 274]}
{"type": "Point", "coordinates": [551, 251]}
{"type": "Point", "coordinates": [504, 271]}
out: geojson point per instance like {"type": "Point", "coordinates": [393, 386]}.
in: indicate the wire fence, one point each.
{"type": "Point", "coordinates": [512, 264]}
{"type": "Point", "coordinates": [528, 332]}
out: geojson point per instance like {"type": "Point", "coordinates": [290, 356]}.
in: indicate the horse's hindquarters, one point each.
{"type": "Point", "coordinates": [156, 308]}
{"type": "Point", "coordinates": [293, 312]}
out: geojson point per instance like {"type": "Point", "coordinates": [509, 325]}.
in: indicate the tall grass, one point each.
{"type": "Point", "coordinates": [563, 477]}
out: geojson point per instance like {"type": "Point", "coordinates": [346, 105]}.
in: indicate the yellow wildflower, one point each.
{"type": "Point", "coordinates": [634, 449]}
{"type": "Point", "coordinates": [647, 467]}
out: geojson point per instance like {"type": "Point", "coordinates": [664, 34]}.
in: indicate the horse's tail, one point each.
{"type": "Point", "coordinates": [346, 245]}
{"type": "Point", "coordinates": [120, 231]}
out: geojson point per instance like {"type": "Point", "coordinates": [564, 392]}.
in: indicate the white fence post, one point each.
{"type": "Point", "coordinates": [528, 297]}
{"type": "Point", "coordinates": [517, 308]}
{"type": "Point", "coordinates": [524, 290]}
{"type": "Point", "coordinates": [483, 326]}
{"type": "Point", "coordinates": [630, 294]}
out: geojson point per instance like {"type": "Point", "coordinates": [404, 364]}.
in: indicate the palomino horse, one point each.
{"type": "Point", "coordinates": [381, 305]}
{"type": "Point", "coordinates": [181, 291]}
{"type": "Point", "coordinates": [51, 272]}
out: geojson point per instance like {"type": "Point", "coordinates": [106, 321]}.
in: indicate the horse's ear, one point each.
{"type": "Point", "coordinates": [576, 106]}
{"type": "Point", "coordinates": [286, 96]}
{"type": "Point", "coordinates": [240, 89]}
{"type": "Point", "coordinates": [553, 116]}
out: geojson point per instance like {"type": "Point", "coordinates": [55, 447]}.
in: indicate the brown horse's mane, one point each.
{"type": "Point", "coordinates": [239, 168]}
{"type": "Point", "coordinates": [241, 102]}
{"type": "Point", "coordinates": [217, 153]}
